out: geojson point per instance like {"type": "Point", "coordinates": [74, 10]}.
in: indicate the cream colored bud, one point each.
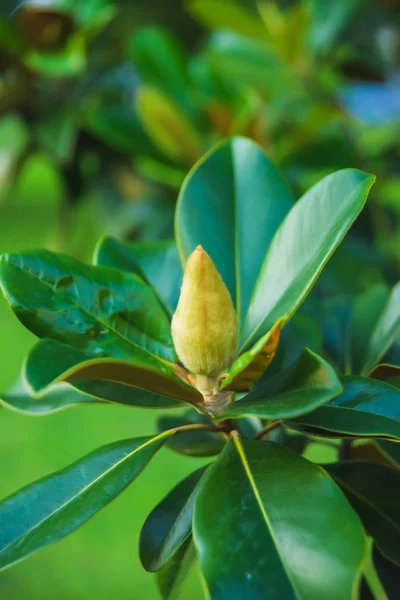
{"type": "Point", "coordinates": [204, 326]}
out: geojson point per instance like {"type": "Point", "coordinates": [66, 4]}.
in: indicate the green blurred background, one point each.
{"type": "Point", "coordinates": [104, 107]}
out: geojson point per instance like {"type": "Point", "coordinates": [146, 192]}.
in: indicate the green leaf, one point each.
{"type": "Point", "coordinates": [161, 62]}
{"type": "Point", "coordinates": [253, 535]}
{"type": "Point", "coordinates": [389, 575]}
{"type": "Point", "coordinates": [172, 576]}
{"type": "Point", "coordinates": [385, 332]}
{"type": "Point", "coordinates": [232, 203]}
{"type": "Point", "coordinates": [367, 309]}
{"type": "Point", "coordinates": [373, 491]}
{"type": "Point", "coordinates": [303, 244]}
{"type": "Point", "coordinates": [192, 443]}
{"type": "Point", "coordinates": [58, 398]}
{"type": "Point", "coordinates": [305, 385]}
{"type": "Point", "coordinates": [169, 525]}
{"type": "Point", "coordinates": [366, 408]}
{"type": "Point", "coordinates": [328, 21]}
{"type": "Point", "coordinates": [100, 310]}
{"type": "Point", "coordinates": [173, 134]}
{"type": "Point", "coordinates": [157, 263]}
{"type": "Point", "coordinates": [51, 508]}
{"type": "Point", "coordinates": [83, 392]}
{"type": "Point", "coordinates": [391, 451]}
{"type": "Point", "coordinates": [51, 362]}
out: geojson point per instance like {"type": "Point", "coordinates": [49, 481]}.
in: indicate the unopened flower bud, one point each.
{"type": "Point", "coordinates": [204, 326]}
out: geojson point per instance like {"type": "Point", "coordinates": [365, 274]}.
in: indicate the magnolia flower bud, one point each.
{"type": "Point", "coordinates": [204, 326]}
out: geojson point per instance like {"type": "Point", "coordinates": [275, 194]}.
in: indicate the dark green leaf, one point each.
{"type": "Point", "coordinates": [61, 396]}
{"type": "Point", "coordinates": [157, 263]}
{"type": "Point", "coordinates": [253, 535]}
{"type": "Point", "coordinates": [305, 385]}
{"type": "Point", "coordinates": [172, 576]}
{"type": "Point", "coordinates": [304, 242]}
{"type": "Point", "coordinates": [388, 573]}
{"type": "Point", "coordinates": [192, 443]}
{"type": "Point", "coordinates": [373, 491]}
{"type": "Point", "coordinates": [51, 362]}
{"type": "Point", "coordinates": [366, 408]}
{"type": "Point", "coordinates": [51, 508]}
{"type": "Point", "coordinates": [97, 309]}
{"type": "Point", "coordinates": [391, 451]}
{"type": "Point", "coordinates": [232, 203]}
{"type": "Point", "coordinates": [169, 525]}
{"type": "Point", "coordinates": [385, 332]}
{"type": "Point", "coordinates": [366, 311]}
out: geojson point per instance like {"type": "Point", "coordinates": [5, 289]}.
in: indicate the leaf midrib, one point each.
{"type": "Point", "coordinates": [257, 495]}
{"type": "Point", "coordinates": [84, 489]}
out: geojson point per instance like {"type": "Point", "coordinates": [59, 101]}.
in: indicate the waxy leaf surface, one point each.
{"type": "Point", "coordinates": [51, 508]}
{"type": "Point", "coordinates": [254, 536]}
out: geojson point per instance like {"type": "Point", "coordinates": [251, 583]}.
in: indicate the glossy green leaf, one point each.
{"type": "Point", "coordinates": [97, 309]}
{"type": "Point", "coordinates": [253, 535]}
{"type": "Point", "coordinates": [373, 491]}
{"type": "Point", "coordinates": [157, 263]}
{"type": "Point", "coordinates": [388, 573]}
{"type": "Point", "coordinates": [390, 451]}
{"type": "Point", "coordinates": [58, 398]}
{"type": "Point", "coordinates": [82, 392]}
{"type": "Point", "coordinates": [232, 203]}
{"type": "Point", "coordinates": [172, 576]}
{"type": "Point", "coordinates": [303, 244]}
{"type": "Point", "coordinates": [367, 309]}
{"type": "Point", "coordinates": [169, 525]}
{"type": "Point", "coordinates": [366, 408]}
{"type": "Point", "coordinates": [51, 508]}
{"type": "Point", "coordinates": [51, 362]}
{"type": "Point", "coordinates": [192, 443]}
{"type": "Point", "coordinates": [385, 332]}
{"type": "Point", "coordinates": [306, 384]}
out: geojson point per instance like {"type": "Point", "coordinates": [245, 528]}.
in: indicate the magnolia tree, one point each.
{"type": "Point", "coordinates": [262, 520]}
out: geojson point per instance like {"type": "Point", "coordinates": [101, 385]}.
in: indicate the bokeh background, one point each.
{"type": "Point", "coordinates": [104, 107]}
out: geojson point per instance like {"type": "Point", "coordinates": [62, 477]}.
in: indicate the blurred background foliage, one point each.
{"type": "Point", "coordinates": [104, 107]}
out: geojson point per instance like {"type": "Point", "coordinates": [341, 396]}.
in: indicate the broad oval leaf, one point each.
{"type": "Point", "coordinates": [366, 311]}
{"type": "Point", "coordinates": [231, 203]}
{"type": "Point", "coordinates": [169, 525]}
{"type": "Point", "coordinates": [51, 508]}
{"type": "Point", "coordinates": [157, 263]}
{"type": "Point", "coordinates": [96, 309]}
{"type": "Point", "coordinates": [388, 573]}
{"type": "Point", "coordinates": [373, 491]}
{"type": "Point", "coordinates": [386, 330]}
{"type": "Point", "coordinates": [51, 362]}
{"type": "Point", "coordinates": [172, 576]}
{"type": "Point", "coordinates": [253, 535]}
{"type": "Point", "coordinates": [58, 398]}
{"type": "Point", "coordinates": [366, 408]}
{"type": "Point", "coordinates": [192, 443]}
{"type": "Point", "coordinates": [304, 242]}
{"type": "Point", "coordinates": [305, 385]}
{"type": "Point", "coordinates": [63, 396]}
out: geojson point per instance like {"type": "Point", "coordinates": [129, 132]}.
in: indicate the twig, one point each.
{"type": "Point", "coordinates": [267, 429]}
